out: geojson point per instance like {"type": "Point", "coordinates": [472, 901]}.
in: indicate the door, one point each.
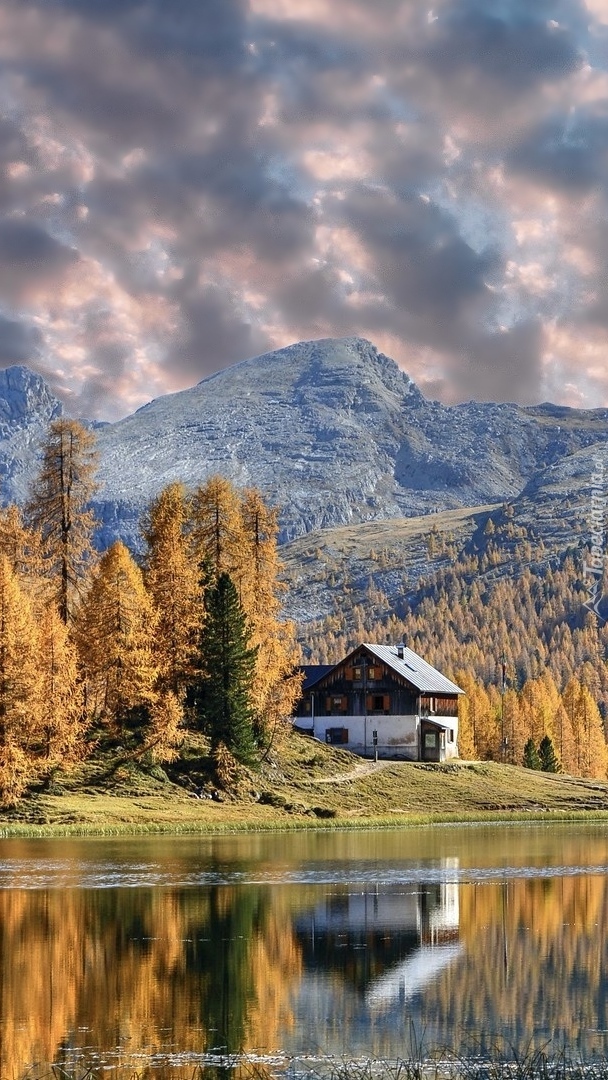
{"type": "Point", "coordinates": [430, 737]}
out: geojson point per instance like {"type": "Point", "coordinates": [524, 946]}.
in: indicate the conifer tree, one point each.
{"type": "Point", "coordinates": [62, 722]}
{"type": "Point", "coordinates": [115, 636]}
{"type": "Point", "coordinates": [21, 546]}
{"type": "Point", "coordinates": [171, 577]}
{"type": "Point", "coordinates": [20, 687]}
{"type": "Point", "coordinates": [276, 683]}
{"type": "Point", "coordinates": [531, 757]}
{"type": "Point", "coordinates": [217, 530]}
{"type": "Point", "coordinates": [227, 664]}
{"type": "Point", "coordinates": [549, 761]}
{"type": "Point", "coordinates": [59, 510]}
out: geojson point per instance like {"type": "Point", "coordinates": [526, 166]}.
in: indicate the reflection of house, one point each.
{"type": "Point", "coordinates": [384, 699]}
{"type": "Point", "coordinates": [386, 942]}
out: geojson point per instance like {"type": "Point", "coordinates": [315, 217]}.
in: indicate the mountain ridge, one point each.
{"type": "Point", "coordinates": [331, 430]}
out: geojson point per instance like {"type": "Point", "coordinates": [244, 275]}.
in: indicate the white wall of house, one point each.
{"type": "Point", "coordinates": [398, 736]}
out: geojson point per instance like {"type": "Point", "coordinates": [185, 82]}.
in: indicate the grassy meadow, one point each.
{"type": "Point", "coordinates": [306, 785]}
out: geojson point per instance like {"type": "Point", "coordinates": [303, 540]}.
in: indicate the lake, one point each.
{"type": "Point", "coordinates": [153, 954]}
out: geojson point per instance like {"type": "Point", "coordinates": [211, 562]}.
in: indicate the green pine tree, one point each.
{"type": "Point", "coordinates": [531, 758]}
{"type": "Point", "coordinates": [549, 761]}
{"type": "Point", "coordinates": [227, 665]}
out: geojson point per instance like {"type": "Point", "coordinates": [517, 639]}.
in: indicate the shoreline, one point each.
{"type": "Point", "coordinates": [306, 787]}
{"type": "Point", "coordinates": [235, 827]}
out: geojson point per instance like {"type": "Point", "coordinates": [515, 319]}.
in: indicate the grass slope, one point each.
{"type": "Point", "coordinates": [307, 785]}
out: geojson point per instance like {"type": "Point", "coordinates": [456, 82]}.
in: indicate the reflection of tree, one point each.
{"type": "Point", "coordinates": [145, 970]}
{"type": "Point", "coordinates": [221, 958]}
{"type": "Point", "coordinates": [534, 963]}
{"type": "Point", "coordinates": [141, 970]}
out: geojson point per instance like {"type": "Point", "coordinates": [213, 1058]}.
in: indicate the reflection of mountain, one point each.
{"type": "Point", "coordinates": [385, 942]}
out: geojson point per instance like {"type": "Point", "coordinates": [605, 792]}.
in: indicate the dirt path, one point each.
{"type": "Point", "coordinates": [363, 769]}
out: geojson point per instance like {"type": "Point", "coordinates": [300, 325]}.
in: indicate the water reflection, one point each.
{"type": "Point", "coordinates": [153, 978]}
{"type": "Point", "coordinates": [388, 943]}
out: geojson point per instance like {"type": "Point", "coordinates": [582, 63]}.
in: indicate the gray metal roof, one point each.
{"type": "Point", "coordinates": [413, 668]}
{"type": "Point", "coordinates": [314, 672]}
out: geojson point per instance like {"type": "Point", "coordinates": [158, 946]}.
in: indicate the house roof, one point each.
{"type": "Point", "coordinates": [314, 672]}
{"type": "Point", "coordinates": [412, 667]}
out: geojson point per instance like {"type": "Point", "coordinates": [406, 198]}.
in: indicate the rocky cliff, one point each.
{"type": "Point", "coordinates": [332, 431]}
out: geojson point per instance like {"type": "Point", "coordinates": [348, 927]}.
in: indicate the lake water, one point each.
{"type": "Point", "coordinates": [155, 953]}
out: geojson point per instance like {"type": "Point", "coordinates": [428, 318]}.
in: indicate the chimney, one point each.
{"type": "Point", "coordinates": [400, 651]}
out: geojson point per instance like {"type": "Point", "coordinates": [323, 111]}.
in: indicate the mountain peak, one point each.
{"type": "Point", "coordinates": [352, 358]}
{"type": "Point", "coordinates": [25, 396]}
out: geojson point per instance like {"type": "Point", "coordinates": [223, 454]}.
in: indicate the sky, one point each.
{"type": "Point", "coordinates": [188, 183]}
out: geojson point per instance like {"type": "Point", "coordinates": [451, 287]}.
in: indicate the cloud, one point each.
{"type": "Point", "coordinates": [420, 261]}
{"type": "Point", "coordinates": [214, 333]}
{"type": "Point", "coordinates": [515, 46]}
{"type": "Point", "coordinates": [30, 257]}
{"type": "Point", "coordinates": [568, 152]}
{"type": "Point", "coordinates": [186, 184]}
{"type": "Point", "coordinates": [18, 342]}
{"type": "Point", "coordinates": [506, 365]}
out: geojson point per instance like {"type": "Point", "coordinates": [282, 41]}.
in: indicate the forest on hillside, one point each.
{"type": "Point", "coordinates": [529, 654]}
{"type": "Point", "coordinates": [98, 649]}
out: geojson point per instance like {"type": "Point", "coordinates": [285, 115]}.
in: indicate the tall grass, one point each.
{"type": "Point", "coordinates": [283, 823]}
{"type": "Point", "coordinates": [503, 1063]}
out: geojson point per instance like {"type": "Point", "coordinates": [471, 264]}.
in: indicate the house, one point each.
{"type": "Point", "coordinates": [412, 935]}
{"type": "Point", "coordinates": [384, 701]}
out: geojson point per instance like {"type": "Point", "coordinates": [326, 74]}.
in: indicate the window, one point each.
{"type": "Point", "coordinates": [336, 735]}
{"type": "Point", "coordinates": [357, 673]}
{"type": "Point", "coordinates": [430, 740]}
{"type": "Point", "coordinates": [337, 703]}
{"type": "Point", "coordinates": [450, 736]}
{"type": "Point", "coordinates": [377, 703]}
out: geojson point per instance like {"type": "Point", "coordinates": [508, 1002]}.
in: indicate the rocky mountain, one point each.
{"type": "Point", "coordinates": [332, 431]}
{"type": "Point", "coordinates": [27, 407]}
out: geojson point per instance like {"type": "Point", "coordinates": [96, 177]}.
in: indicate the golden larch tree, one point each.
{"type": "Point", "coordinates": [163, 734]}
{"type": "Point", "coordinates": [538, 706]}
{"type": "Point", "coordinates": [276, 683]}
{"type": "Point", "coordinates": [20, 687]}
{"type": "Point", "coordinates": [516, 730]}
{"type": "Point", "coordinates": [476, 719]}
{"type": "Point", "coordinates": [217, 530]}
{"type": "Point", "coordinates": [591, 755]}
{"type": "Point", "coordinates": [21, 546]}
{"type": "Point", "coordinates": [563, 739]}
{"type": "Point", "coordinates": [172, 580]}
{"type": "Point", "coordinates": [59, 510]}
{"type": "Point", "coordinates": [115, 637]}
{"type": "Point", "coordinates": [62, 722]}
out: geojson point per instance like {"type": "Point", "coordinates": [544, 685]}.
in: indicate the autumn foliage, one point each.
{"type": "Point", "coordinates": [109, 646]}
{"type": "Point", "coordinates": [98, 647]}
